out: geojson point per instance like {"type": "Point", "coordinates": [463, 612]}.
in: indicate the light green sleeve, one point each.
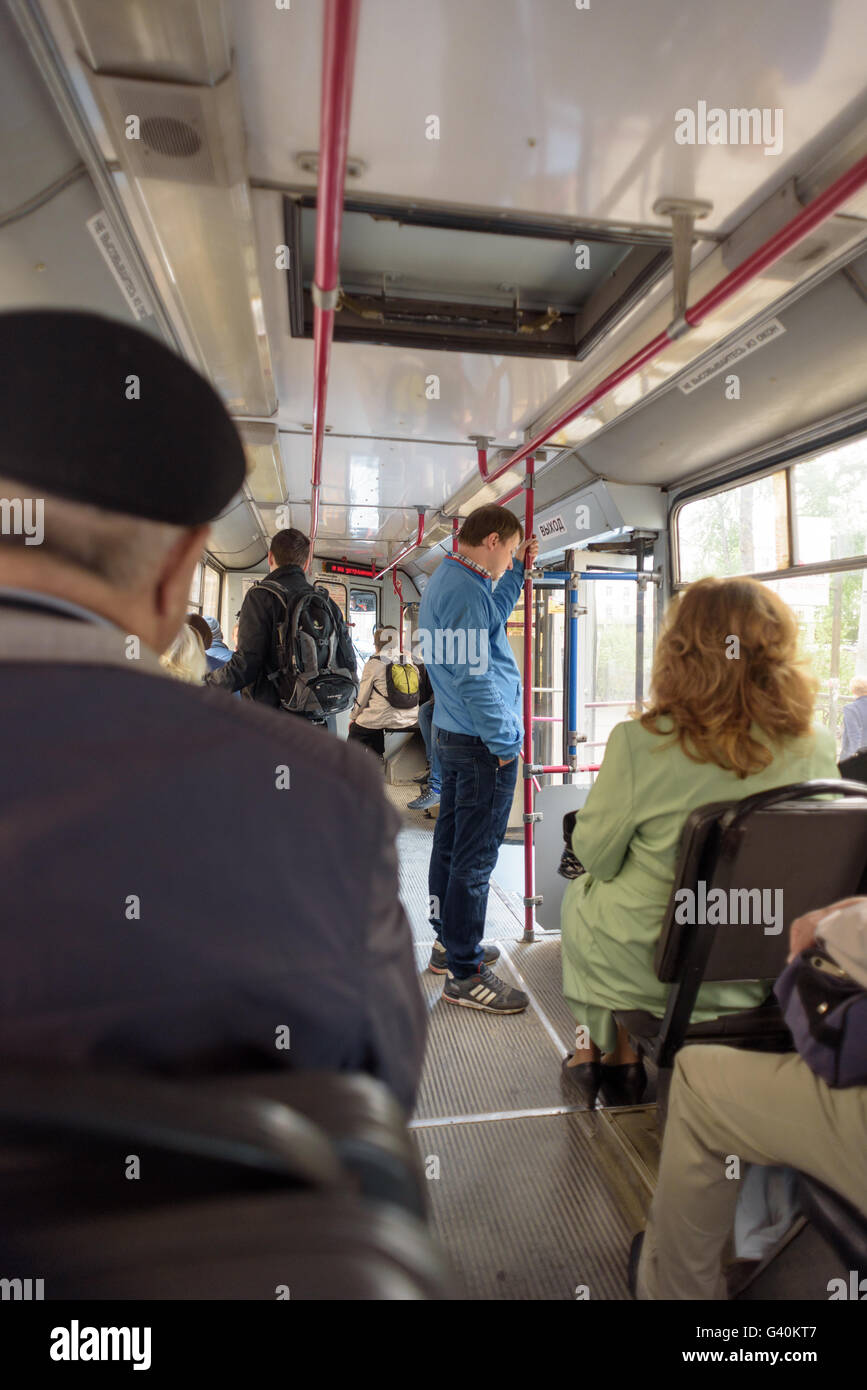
{"type": "Point", "coordinates": [606, 823]}
{"type": "Point", "coordinates": [824, 761]}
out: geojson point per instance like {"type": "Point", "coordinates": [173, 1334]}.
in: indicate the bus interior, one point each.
{"type": "Point", "coordinates": [602, 295]}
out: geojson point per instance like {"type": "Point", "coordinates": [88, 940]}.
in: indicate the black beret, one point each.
{"type": "Point", "coordinates": [74, 423]}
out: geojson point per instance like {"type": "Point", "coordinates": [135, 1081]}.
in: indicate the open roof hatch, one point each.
{"type": "Point", "coordinates": [429, 277]}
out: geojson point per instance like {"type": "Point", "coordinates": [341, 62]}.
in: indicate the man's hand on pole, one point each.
{"type": "Point", "coordinates": [527, 552]}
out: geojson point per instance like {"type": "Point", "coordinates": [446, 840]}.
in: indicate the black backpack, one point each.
{"type": "Point", "coordinates": [308, 679]}
{"type": "Point", "coordinates": [401, 684]}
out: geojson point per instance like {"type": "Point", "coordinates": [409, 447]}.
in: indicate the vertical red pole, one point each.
{"type": "Point", "coordinates": [456, 526]}
{"type": "Point", "coordinates": [529, 889]}
{"type": "Point", "coordinates": [398, 589]}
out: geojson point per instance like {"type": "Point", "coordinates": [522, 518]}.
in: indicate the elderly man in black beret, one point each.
{"type": "Point", "coordinates": [149, 919]}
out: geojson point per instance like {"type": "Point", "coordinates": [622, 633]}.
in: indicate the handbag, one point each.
{"type": "Point", "coordinates": [570, 866]}
{"type": "Point", "coordinates": [826, 1013]}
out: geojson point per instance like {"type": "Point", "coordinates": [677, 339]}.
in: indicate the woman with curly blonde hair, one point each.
{"type": "Point", "coordinates": [730, 714]}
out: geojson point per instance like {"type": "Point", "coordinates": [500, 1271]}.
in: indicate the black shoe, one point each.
{"type": "Point", "coordinates": [634, 1257]}
{"type": "Point", "coordinates": [425, 777]}
{"type": "Point", "coordinates": [438, 963]}
{"type": "Point", "coordinates": [582, 1080]}
{"type": "Point", "coordinates": [623, 1085]}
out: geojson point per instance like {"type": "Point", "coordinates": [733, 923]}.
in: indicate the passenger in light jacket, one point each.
{"type": "Point", "coordinates": [138, 949]}
{"type": "Point", "coordinates": [462, 640]}
{"type": "Point", "coordinates": [723, 723]}
{"type": "Point", "coordinates": [373, 712]}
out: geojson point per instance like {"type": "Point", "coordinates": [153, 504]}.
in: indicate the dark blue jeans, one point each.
{"type": "Point", "coordinates": [475, 799]}
{"type": "Point", "coordinates": [428, 733]}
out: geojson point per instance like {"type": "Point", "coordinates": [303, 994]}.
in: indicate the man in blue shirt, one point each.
{"type": "Point", "coordinates": [463, 642]}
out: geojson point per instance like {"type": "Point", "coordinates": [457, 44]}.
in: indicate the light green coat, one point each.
{"type": "Point", "coordinates": [627, 837]}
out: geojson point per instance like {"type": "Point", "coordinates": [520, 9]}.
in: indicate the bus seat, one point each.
{"type": "Point", "coordinates": [813, 851]}
{"type": "Point", "coordinates": [107, 1175]}
{"type": "Point", "coordinates": [403, 756]}
{"type": "Point", "coordinates": [843, 1226]}
{"type": "Point", "coordinates": [855, 768]}
{"type": "Point", "coordinates": [363, 1121]}
{"type": "Point", "coordinates": [305, 1245]}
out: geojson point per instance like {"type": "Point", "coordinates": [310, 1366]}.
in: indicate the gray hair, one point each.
{"type": "Point", "coordinates": [121, 550]}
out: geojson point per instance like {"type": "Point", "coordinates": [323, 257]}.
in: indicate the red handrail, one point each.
{"type": "Point", "coordinates": [528, 711]}
{"type": "Point", "coordinates": [800, 226]}
{"type": "Point", "coordinates": [412, 545]}
{"type": "Point", "coordinates": [396, 585]}
{"type": "Point", "coordinates": [338, 59]}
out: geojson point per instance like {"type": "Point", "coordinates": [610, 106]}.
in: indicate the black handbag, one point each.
{"type": "Point", "coordinates": [570, 866]}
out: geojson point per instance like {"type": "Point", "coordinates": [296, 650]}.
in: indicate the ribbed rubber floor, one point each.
{"type": "Point", "coordinates": [478, 1063]}
{"type": "Point", "coordinates": [522, 1211]}
{"type": "Point", "coordinates": [531, 1194]}
{"type": "Point", "coordinates": [413, 847]}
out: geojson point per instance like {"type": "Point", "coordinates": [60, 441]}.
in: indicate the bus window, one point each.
{"type": "Point", "coordinates": [196, 589]}
{"type": "Point", "coordinates": [821, 503]}
{"type": "Point", "coordinates": [609, 684]}
{"type": "Point", "coordinates": [741, 530]}
{"type": "Point", "coordinates": [362, 612]}
{"type": "Point", "coordinates": [829, 504]}
{"type": "Point", "coordinates": [211, 593]}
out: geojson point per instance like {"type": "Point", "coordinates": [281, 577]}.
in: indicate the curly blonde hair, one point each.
{"type": "Point", "coordinates": [727, 658]}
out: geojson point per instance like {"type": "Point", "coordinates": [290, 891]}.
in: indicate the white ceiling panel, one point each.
{"type": "Point", "coordinates": [816, 369]}
{"type": "Point", "coordinates": [387, 391]}
{"type": "Point", "coordinates": [367, 474]}
{"type": "Point", "coordinates": [35, 149]}
{"type": "Point", "coordinates": [548, 108]}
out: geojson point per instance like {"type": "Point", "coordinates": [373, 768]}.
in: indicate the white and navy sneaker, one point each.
{"type": "Point", "coordinates": [484, 990]}
{"type": "Point", "coordinates": [438, 963]}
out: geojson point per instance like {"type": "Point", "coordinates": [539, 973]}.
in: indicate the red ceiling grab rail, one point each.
{"type": "Point", "coordinates": [338, 61]}
{"type": "Point", "coordinates": [800, 226]}
{"type": "Point", "coordinates": [411, 545]}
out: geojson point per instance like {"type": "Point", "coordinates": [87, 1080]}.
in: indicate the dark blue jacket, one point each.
{"type": "Point", "coordinates": [188, 881]}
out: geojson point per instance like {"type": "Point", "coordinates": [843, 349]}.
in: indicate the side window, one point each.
{"type": "Point", "coordinates": [211, 593]}
{"type": "Point", "coordinates": [196, 588]}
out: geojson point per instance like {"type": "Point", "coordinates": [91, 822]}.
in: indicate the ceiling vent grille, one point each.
{"type": "Point", "coordinates": [182, 130]}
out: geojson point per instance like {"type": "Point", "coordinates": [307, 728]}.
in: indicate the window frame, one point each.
{"type": "Point", "coordinates": [785, 466]}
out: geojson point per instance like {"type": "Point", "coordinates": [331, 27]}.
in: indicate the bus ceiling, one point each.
{"type": "Point", "coordinates": [499, 274]}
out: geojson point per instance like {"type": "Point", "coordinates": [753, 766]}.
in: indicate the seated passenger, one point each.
{"type": "Point", "coordinates": [217, 654]}
{"type": "Point", "coordinates": [185, 658]}
{"type": "Point", "coordinates": [115, 775]}
{"type": "Point", "coordinates": [373, 712]}
{"type": "Point", "coordinates": [730, 715]}
{"type": "Point", "coordinates": [855, 721]}
{"type": "Point", "coordinates": [766, 1108]}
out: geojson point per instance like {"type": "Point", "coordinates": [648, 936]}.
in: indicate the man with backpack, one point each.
{"type": "Point", "coordinates": [388, 695]}
{"type": "Point", "coordinates": [293, 648]}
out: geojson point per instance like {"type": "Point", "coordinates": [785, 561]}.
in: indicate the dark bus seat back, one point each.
{"type": "Point", "coordinates": [782, 846]}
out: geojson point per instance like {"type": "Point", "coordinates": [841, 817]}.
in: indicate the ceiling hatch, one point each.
{"type": "Point", "coordinates": [411, 278]}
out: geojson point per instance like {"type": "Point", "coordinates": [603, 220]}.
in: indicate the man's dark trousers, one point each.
{"type": "Point", "coordinates": [474, 811]}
